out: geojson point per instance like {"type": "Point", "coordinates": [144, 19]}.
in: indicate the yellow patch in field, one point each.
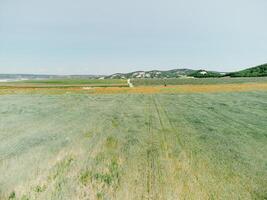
{"type": "Point", "coordinates": [184, 89]}
{"type": "Point", "coordinates": [142, 89]}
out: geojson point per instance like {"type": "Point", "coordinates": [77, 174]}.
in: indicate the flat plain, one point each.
{"type": "Point", "coordinates": [198, 81]}
{"type": "Point", "coordinates": [65, 83]}
{"type": "Point", "coordinates": [134, 143]}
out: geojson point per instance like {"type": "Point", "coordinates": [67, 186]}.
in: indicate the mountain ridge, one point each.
{"type": "Point", "coordinates": [173, 73]}
{"type": "Point", "coordinates": [257, 71]}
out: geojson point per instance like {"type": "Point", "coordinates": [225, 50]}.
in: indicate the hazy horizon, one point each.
{"type": "Point", "coordinates": [106, 37]}
{"type": "Point", "coordinates": [97, 74]}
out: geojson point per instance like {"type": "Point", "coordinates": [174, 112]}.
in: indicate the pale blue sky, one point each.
{"type": "Point", "coordinates": [107, 36]}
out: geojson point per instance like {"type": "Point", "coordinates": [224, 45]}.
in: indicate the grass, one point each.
{"type": "Point", "coordinates": [65, 83]}
{"type": "Point", "coordinates": [133, 146]}
{"type": "Point", "coordinates": [171, 89]}
{"type": "Point", "coordinates": [77, 81]}
{"type": "Point", "coordinates": [197, 81]}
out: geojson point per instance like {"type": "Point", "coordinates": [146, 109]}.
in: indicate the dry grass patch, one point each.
{"type": "Point", "coordinates": [142, 89]}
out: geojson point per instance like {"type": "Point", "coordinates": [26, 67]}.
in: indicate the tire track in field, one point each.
{"type": "Point", "coordinates": [153, 169]}
{"type": "Point", "coordinates": [180, 179]}
{"type": "Point", "coordinates": [149, 164]}
{"type": "Point", "coordinates": [168, 125]}
{"type": "Point", "coordinates": [168, 142]}
{"type": "Point", "coordinates": [160, 152]}
{"type": "Point", "coordinates": [170, 132]}
{"type": "Point", "coordinates": [164, 128]}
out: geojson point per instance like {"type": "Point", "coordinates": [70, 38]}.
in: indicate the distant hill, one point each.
{"type": "Point", "coordinates": [21, 77]}
{"type": "Point", "coordinates": [206, 74]}
{"type": "Point", "coordinates": [257, 71]}
{"type": "Point", "coordinates": [175, 73]}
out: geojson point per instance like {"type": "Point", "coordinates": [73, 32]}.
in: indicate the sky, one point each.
{"type": "Point", "coordinates": [109, 36]}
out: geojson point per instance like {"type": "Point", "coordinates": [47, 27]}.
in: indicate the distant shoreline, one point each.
{"type": "Point", "coordinates": [13, 80]}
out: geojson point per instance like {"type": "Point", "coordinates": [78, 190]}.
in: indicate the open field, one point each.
{"type": "Point", "coordinates": [172, 89]}
{"type": "Point", "coordinates": [198, 81]}
{"type": "Point", "coordinates": [65, 83]}
{"type": "Point", "coordinates": [209, 143]}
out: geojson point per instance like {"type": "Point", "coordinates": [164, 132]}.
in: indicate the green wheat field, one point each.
{"type": "Point", "coordinates": [133, 146]}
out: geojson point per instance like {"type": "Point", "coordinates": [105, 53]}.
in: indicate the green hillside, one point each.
{"type": "Point", "coordinates": [175, 73]}
{"type": "Point", "coordinates": [205, 74]}
{"type": "Point", "coordinates": [260, 70]}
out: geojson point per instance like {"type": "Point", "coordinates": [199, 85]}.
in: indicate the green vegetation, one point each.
{"type": "Point", "coordinates": [12, 195]}
{"type": "Point", "coordinates": [119, 78]}
{"type": "Point", "coordinates": [133, 146]}
{"type": "Point", "coordinates": [77, 81]}
{"type": "Point", "coordinates": [257, 71]}
{"type": "Point", "coordinates": [66, 83]}
{"type": "Point", "coordinates": [174, 73]}
{"type": "Point", "coordinates": [205, 74]}
{"type": "Point", "coordinates": [197, 81]}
